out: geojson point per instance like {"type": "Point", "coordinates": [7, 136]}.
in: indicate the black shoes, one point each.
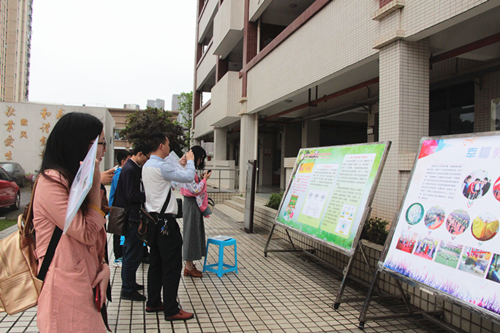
{"type": "Point", "coordinates": [139, 287]}
{"type": "Point", "coordinates": [133, 296]}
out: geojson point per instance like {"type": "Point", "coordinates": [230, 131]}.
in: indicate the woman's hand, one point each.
{"type": "Point", "coordinates": [107, 176]}
{"type": "Point", "coordinates": [102, 279]}
{"type": "Point", "coordinates": [183, 160]}
{"type": "Point", "coordinates": [207, 175]}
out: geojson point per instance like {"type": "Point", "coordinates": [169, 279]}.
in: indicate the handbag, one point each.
{"type": "Point", "coordinates": [148, 224]}
{"type": "Point", "coordinates": [118, 218]}
{"type": "Point", "coordinates": [19, 284]}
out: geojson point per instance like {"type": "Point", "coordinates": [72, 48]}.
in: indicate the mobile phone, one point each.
{"type": "Point", "coordinates": [97, 296]}
{"type": "Point", "coordinates": [208, 171]}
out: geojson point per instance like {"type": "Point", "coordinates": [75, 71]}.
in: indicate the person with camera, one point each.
{"type": "Point", "coordinates": [165, 262]}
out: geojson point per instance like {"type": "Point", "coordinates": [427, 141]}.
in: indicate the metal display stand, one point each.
{"type": "Point", "coordinates": [356, 245]}
{"type": "Point", "coordinates": [409, 311]}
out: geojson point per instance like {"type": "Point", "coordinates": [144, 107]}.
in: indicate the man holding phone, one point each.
{"type": "Point", "coordinates": [165, 263]}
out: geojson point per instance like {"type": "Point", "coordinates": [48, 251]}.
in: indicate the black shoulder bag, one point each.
{"type": "Point", "coordinates": [149, 225]}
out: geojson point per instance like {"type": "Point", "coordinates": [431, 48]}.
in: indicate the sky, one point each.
{"type": "Point", "coordinates": [111, 52]}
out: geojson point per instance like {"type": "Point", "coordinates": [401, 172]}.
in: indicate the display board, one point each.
{"type": "Point", "coordinates": [330, 192]}
{"type": "Point", "coordinates": [445, 235]}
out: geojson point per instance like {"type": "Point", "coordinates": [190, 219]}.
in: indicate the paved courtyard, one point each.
{"type": "Point", "coordinates": [284, 292]}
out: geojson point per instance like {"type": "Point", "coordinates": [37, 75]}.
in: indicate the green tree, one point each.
{"type": "Point", "coordinates": [186, 112]}
{"type": "Point", "coordinates": [141, 124]}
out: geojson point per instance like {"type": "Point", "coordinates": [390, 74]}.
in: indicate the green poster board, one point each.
{"type": "Point", "coordinates": [330, 192]}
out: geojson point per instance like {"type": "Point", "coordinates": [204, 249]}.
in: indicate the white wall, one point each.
{"type": "Point", "coordinates": [24, 125]}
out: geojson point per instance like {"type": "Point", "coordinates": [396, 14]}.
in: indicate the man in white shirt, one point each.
{"type": "Point", "coordinates": [165, 261]}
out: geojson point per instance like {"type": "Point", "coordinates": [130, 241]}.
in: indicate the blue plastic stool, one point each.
{"type": "Point", "coordinates": [220, 267]}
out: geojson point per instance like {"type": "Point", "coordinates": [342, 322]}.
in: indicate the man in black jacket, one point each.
{"type": "Point", "coordinates": [130, 195]}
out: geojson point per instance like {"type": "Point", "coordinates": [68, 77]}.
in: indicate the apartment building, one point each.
{"type": "Point", "coordinates": [274, 76]}
{"type": "Point", "coordinates": [15, 42]}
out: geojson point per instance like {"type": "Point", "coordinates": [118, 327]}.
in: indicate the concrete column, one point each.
{"type": "Point", "coordinates": [220, 144]}
{"type": "Point", "coordinates": [248, 141]}
{"type": "Point", "coordinates": [310, 134]}
{"type": "Point", "coordinates": [196, 142]}
{"type": "Point", "coordinates": [403, 117]}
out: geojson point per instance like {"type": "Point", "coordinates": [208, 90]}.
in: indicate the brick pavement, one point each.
{"type": "Point", "coordinates": [284, 292]}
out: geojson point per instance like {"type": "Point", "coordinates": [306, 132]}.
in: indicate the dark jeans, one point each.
{"type": "Point", "coordinates": [117, 248]}
{"type": "Point", "coordinates": [165, 264]}
{"type": "Point", "coordinates": [132, 257]}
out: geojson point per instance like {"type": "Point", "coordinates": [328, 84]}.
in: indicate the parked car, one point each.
{"type": "Point", "coordinates": [10, 194]}
{"type": "Point", "coordinates": [15, 171]}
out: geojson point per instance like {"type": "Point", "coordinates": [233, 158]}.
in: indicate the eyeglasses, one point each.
{"type": "Point", "coordinates": [104, 143]}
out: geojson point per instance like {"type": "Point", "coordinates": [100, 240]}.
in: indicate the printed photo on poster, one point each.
{"type": "Point", "coordinates": [485, 227]}
{"type": "Point", "coordinates": [415, 213]}
{"type": "Point", "coordinates": [406, 241]}
{"type": "Point", "coordinates": [457, 222]}
{"type": "Point", "coordinates": [496, 189]}
{"type": "Point", "coordinates": [476, 185]}
{"type": "Point", "coordinates": [449, 254]}
{"type": "Point", "coordinates": [426, 247]}
{"type": "Point", "coordinates": [494, 271]}
{"type": "Point", "coordinates": [474, 261]}
{"type": "Point", "coordinates": [434, 217]}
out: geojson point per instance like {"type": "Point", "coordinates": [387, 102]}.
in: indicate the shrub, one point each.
{"type": "Point", "coordinates": [274, 200]}
{"type": "Point", "coordinates": [375, 230]}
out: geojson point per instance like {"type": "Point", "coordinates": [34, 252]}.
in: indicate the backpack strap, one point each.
{"type": "Point", "coordinates": [28, 227]}
{"type": "Point", "coordinates": [51, 250]}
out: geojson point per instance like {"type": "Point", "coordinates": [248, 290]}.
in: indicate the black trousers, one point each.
{"type": "Point", "coordinates": [165, 265]}
{"type": "Point", "coordinates": [117, 248]}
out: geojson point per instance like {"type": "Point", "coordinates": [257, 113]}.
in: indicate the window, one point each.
{"type": "Point", "coordinates": [451, 110]}
{"type": "Point", "coordinates": [3, 175]}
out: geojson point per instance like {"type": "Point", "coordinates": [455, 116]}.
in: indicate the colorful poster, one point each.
{"type": "Point", "coordinates": [329, 191]}
{"type": "Point", "coordinates": [446, 236]}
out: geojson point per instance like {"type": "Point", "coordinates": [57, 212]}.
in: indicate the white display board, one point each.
{"type": "Point", "coordinates": [81, 185]}
{"type": "Point", "coordinates": [445, 236]}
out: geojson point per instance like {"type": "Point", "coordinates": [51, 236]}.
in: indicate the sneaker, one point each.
{"type": "Point", "coordinates": [158, 308]}
{"type": "Point", "coordinates": [133, 296]}
{"type": "Point", "coordinates": [139, 287]}
{"type": "Point", "coordinates": [182, 315]}
{"type": "Point", "coordinates": [117, 263]}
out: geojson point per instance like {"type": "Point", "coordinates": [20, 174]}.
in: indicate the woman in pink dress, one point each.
{"type": "Point", "coordinates": [67, 302]}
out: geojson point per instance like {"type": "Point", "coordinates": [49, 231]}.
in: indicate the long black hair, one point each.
{"type": "Point", "coordinates": [199, 153]}
{"type": "Point", "coordinates": [68, 143]}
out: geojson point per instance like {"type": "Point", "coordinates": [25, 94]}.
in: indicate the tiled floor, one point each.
{"type": "Point", "coordinates": [281, 293]}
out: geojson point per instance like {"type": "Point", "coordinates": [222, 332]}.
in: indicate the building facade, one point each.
{"type": "Point", "coordinates": [156, 103]}
{"type": "Point", "coordinates": [15, 41]}
{"type": "Point", "coordinates": [284, 75]}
